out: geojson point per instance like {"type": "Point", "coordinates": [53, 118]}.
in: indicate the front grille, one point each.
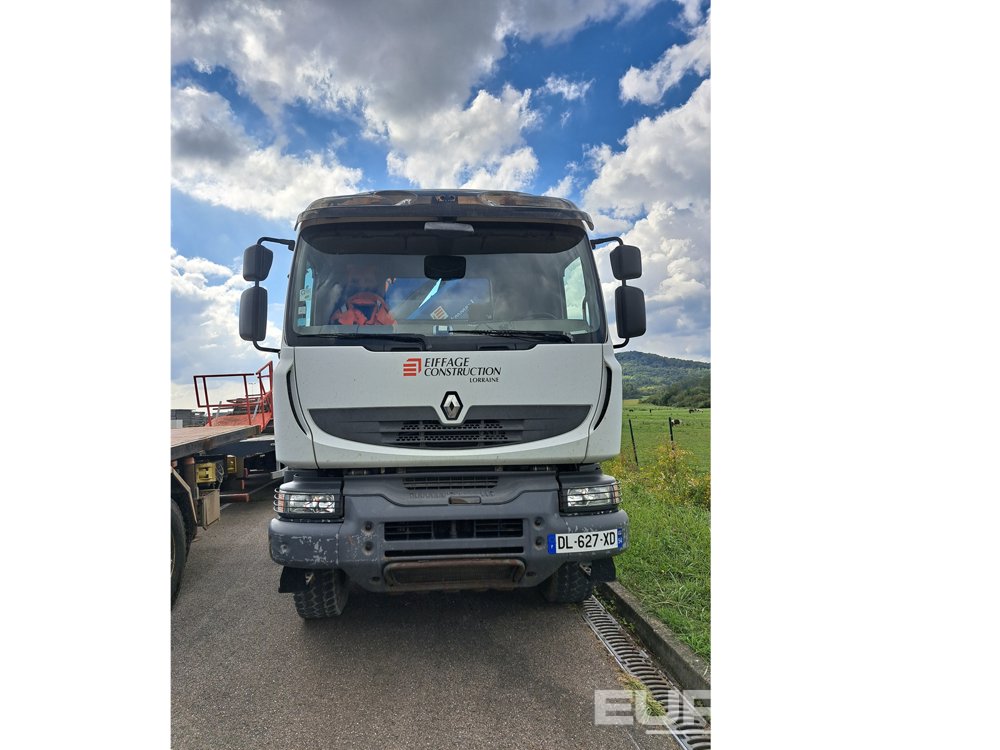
{"type": "Point", "coordinates": [477, 433]}
{"type": "Point", "coordinates": [417, 427]}
{"type": "Point", "coordinates": [449, 483]}
{"type": "Point", "coordinates": [484, 528]}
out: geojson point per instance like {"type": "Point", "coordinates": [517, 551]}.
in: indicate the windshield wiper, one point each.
{"type": "Point", "coordinates": [536, 335]}
{"type": "Point", "coordinates": [409, 338]}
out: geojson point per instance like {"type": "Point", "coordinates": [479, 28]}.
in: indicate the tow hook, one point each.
{"type": "Point", "coordinates": [601, 571]}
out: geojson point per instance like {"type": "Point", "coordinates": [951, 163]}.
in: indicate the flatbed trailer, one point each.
{"type": "Point", "coordinates": [190, 441]}
{"type": "Point", "coordinates": [192, 505]}
{"type": "Point", "coordinates": [225, 460]}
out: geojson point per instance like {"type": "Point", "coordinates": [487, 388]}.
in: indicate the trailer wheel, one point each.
{"type": "Point", "coordinates": [568, 584]}
{"type": "Point", "coordinates": [178, 550]}
{"type": "Point", "coordinates": [326, 597]}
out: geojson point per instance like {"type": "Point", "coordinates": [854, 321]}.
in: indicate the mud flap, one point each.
{"type": "Point", "coordinates": [295, 579]}
{"type": "Point", "coordinates": [602, 571]}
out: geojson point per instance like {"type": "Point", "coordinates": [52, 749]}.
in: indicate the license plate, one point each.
{"type": "Point", "coordinates": [585, 541]}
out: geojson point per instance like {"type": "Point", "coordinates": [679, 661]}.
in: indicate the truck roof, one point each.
{"type": "Point", "coordinates": [431, 205]}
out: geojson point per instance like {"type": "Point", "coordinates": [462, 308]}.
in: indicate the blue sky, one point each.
{"type": "Point", "coordinates": [604, 102]}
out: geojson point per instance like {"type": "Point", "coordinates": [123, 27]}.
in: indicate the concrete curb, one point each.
{"type": "Point", "coordinates": [677, 659]}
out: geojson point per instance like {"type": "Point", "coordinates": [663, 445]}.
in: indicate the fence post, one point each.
{"type": "Point", "coordinates": [670, 422]}
{"type": "Point", "coordinates": [634, 453]}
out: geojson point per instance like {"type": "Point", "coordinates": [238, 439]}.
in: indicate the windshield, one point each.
{"type": "Point", "coordinates": [400, 286]}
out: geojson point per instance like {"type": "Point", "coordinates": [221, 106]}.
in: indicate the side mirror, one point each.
{"type": "Point", "coordinates": [256, 264]}
{"type": "Point", "coordinates": [626, 263]}
{"type": "Point", "coordinates": [630, 312]}
{"type": "Point", "coordinates": [253, 313]}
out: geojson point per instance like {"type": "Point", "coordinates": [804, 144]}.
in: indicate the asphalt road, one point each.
{"type": "Point", "coordinates": [431, 670]}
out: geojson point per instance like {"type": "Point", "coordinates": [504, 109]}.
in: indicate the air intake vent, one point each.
{"type": "Point", "coordinates": [485, 528]}
{"type": "Point", "coordinates": [447, 483]}
{"type": "Point", "coordinates": [478, 433]}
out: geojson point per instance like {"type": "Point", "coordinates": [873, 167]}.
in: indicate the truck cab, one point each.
{"type": "Point", "coordinates": [445, 392]}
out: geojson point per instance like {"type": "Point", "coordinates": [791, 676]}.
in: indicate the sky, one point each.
{"type": "Point", "coordinates": [604, 102]}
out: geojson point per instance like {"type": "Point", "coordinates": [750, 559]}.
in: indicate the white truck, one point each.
{"type": "Point", "coordinates": [445, 391]}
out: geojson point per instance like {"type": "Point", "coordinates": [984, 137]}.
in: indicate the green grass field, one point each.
{"type": "Point", "coordinates": [668, 499]}
{"type": "Point", "coordinates": [651, 428]}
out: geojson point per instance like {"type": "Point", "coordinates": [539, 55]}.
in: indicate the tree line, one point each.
{"type": "Point", "coordinates": [694, 392]}
{"type": "Point", "coordinates": [665, 381]}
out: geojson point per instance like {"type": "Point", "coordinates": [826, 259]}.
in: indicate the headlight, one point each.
{"type": "Point", "coordinates": [590, 499]}
{"type": "Point", "coordinates": [308, 505]}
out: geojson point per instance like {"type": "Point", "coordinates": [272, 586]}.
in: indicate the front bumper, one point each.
{"type": "Point", "coordinates": [393, 540]}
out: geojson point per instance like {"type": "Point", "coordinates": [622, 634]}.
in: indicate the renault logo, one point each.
{"type": "Point", "coordinates": [451, 406]}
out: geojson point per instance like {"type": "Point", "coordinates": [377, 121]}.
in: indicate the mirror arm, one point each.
{"type": "Point", "coordinates": [256, 345]}
{"type": "Point", "coordinates": [602, 240]}
{"type": "Point", "coordinates": [625, 342]}
{"type": "Point", "coordinates": [290, 244]}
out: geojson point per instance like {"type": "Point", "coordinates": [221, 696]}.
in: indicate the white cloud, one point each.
{"type": "Point", "coordinates": [336, 55]}
{"type": "Point", "coordinates": [204, 300]}
{"type": "Point", "coordinates": [214, 160]}
{"type": "Point", "coordinates": [479, 146]}
{"type": "Point", "coordinates": [648, 86]}
{"type": "Point", "coordinates": [692, 10]}
{"type": "Point", "coordinates": [514, 171]}
{"type": "Point", "coordinates": [557, 20]}
{"type": "Point", "coordinates": [563, 188]}
{"type": "Point", "coordinates": [407, 77]}
{"type": "Point", "coordinates": [569, 90]}
{"type": "Point", "coordinates": [655, 195]}
{"type": "Point", "coordinates": [665, 159]}
{"type": "Point", "coordinates": [676, 279]}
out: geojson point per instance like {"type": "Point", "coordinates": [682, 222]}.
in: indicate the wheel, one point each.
{"type": "Point", "coordinates": [178, 550]}
{"type": "Point", "coordinates": [568, 584]}
{"type": "Point", "coordinates": [190, 531]}
{"type": "Point", "coordinates": [326, 597]}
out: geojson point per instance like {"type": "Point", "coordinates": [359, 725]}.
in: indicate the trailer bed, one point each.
{"type": "Point", "coordinates": [189, 441]}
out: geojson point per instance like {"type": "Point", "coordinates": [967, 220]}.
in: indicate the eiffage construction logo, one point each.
{"type": "Point", "coordinates": [450, 367]}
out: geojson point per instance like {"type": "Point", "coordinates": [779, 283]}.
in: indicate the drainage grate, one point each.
{"type": "Point", "coordinates": [683, 720]}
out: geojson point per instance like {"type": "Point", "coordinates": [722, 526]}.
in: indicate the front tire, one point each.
{"type": "Point", "coordinates": [568, 585]}
{"type": "Point", "coordinates": [178, 550]}
{"type": "Point", "coordinates": [326, 597]}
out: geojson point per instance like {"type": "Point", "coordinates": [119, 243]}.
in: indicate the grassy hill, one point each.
{"type": "Point", "coordinates": [650, 375]}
